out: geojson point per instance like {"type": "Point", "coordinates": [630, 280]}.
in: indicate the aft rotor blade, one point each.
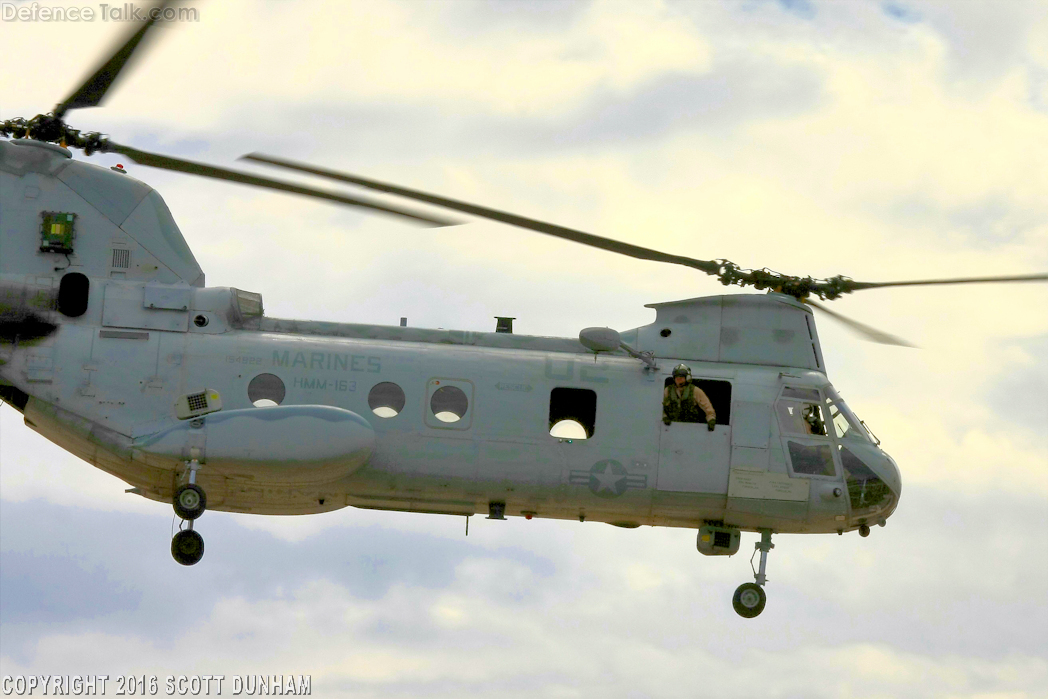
{"type": "Point", "coordinates": [870, 333]}
{"type": "Point", "coordinates": [595, 241]}
{"type": "Point", "coordinates": [857, 286]}
{"type": "Point", "coordinates": [93, 90]}
{"type": "Point", "coordinates": [168, 163]}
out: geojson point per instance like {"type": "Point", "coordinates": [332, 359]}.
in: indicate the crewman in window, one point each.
{"type": "Point", "coordinates": [685, 402]}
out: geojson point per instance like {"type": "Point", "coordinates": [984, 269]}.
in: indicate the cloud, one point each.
{"type": "Point", "coordinates": [992, 223]}
{"type": "Point", "coordinates": [842, 140]}
{"type": "Point", "coordinates": [541, 607]}
{"type": "Point", "coordinates": [901, 11]}
{"type": "Point", "coordinates": [385, 51]}
{"type": "Point", "coordinates": [728, 96]}
{"type": "Point", "coordinates": [985, 41]}
{"type": "Point", "coordinates": [1020, 392]}
{"type": "Point", "coordinates": [800, 8]}
{"type": "Point", "coordinates": [54, 588]}
{"type": "Point", "coordinates": [472, 17]}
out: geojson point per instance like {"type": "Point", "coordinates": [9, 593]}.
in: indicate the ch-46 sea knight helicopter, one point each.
{"type": "Point", "coordinates": [113, 348]}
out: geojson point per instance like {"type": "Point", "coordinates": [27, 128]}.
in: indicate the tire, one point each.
{"type": "Point", "coordinates": [749, 600]}
{"type": "Point", "coordinates": [190, 501]}
{"type": "Point", "coordinates": [187, 547]}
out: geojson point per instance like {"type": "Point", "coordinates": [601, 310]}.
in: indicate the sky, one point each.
{"type": "Point", "coordinates": [880, 140]}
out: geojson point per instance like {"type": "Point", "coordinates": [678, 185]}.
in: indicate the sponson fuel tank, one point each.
{"type": "Point", "coordinates": [293, 445]}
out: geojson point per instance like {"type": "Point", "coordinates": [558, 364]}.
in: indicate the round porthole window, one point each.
{"type": "Point", "coordinates": [386, 399]}
{"type": "Point", "coordinates": [266, 390]}
{"type": "Point", "coordinates": [449, 404]}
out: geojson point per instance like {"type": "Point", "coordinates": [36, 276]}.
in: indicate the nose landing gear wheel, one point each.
{"type": "Point", "coordinates": [749, 600]}
{"type": "Point", "coordinates": [187, 547]}
{"type": "Point", "coordinates": [190, 501]}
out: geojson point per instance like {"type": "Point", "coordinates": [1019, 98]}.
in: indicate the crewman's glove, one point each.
{"type": "Point", "coordinates": [711, 423]}
{"type": "Point", "coordinates": [665, 421]}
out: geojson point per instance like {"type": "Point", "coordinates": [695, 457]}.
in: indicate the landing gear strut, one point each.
{"type": "Point", "coordinates": [190, 501]}
{"type": "Point", "coordinates": [749, 598]}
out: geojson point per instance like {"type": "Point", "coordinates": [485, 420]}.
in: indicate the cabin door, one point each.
{"type": "Point", "coordinates": [694, 460]}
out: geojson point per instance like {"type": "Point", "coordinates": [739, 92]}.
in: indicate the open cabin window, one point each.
{"type": "Point", "coordinates": [719, 393]}
{"type": "Point", "coordinates": [572, 413]}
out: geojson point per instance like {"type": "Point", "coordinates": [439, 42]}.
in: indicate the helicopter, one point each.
{"type": "Point", "coordinates": [116, 350]}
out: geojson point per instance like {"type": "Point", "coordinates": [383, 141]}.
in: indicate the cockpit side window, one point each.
{"type": "Point", "coordinates": [811, 459]}
{"type": "Point", "coordinates": [840, 422]}
{"type": "Point", "coordinates": [810, 394]}
{"type": "Point", "coordinates": [800, 412]}
{"type": "Point", "coordinates": [802, 421]}
{"type": "Point", "coordinates": [845, 424]}
{"type": "Point", "coordinates": [790, 421]}
{"type": "Point", "coordinates": [866, 491]}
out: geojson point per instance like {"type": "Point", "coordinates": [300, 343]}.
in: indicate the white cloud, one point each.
{"type": "Point", "coordinates": [921, 155]}
{"type": "Point", "coordinates": [428, 642]}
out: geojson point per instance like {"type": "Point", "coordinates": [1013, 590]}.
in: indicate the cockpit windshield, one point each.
{"type": "Point", "coordinates": [845, 423]}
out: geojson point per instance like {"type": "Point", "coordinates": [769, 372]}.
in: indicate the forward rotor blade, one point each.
{"type": "Point", "coordinates": [867, 332]}
{"type": "Point", "coordinates": [728, 273]}
{"type": "Point", "coordinates": [168, 163]}
{"type": "Point", "coordinates": [857, 286]}
{"type": "Point", "coordinates": [589, 239]}
{"type": "Point", "coordinates": [93, 90]}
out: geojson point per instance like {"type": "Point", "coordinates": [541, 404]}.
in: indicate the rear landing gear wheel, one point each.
{"type": "Point", "coordinates": [864, 530]}
{"type": "Point", "coordinates": [749, 600]}
{"type": "Point", "coordinates": [187, 547]}
{"type": "Point", "coordinates": [190, 501]}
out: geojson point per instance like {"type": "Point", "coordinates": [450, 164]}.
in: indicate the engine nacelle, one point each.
{"type": "Point", "coordinates": [290, 445]}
